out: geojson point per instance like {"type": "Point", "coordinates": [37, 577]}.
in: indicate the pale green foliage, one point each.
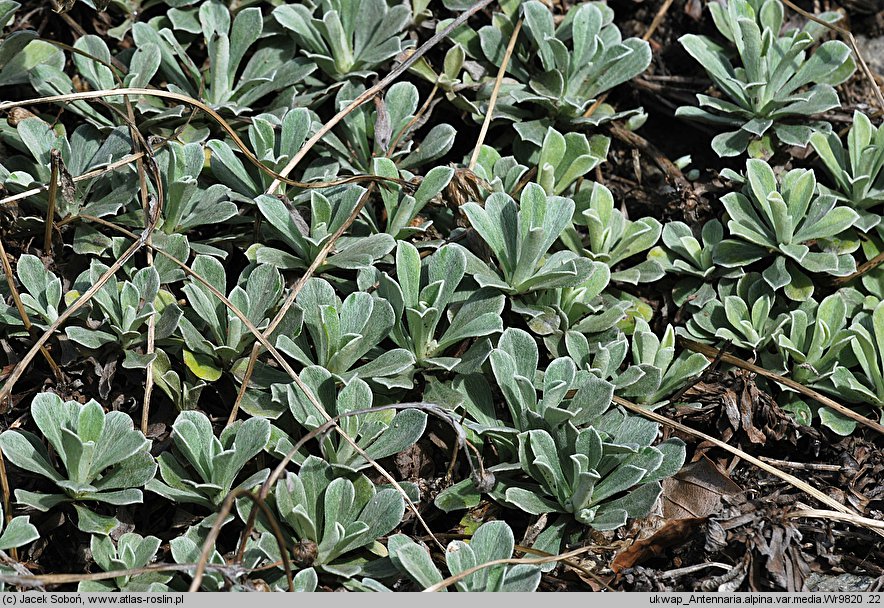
{"type": "Point", "coordinates": [866, 384]}
{"type": "Point", "coordinates": [789, 219]}
{"type": "Point", "coordinates": [520, 236]}
{"type": "Point", "coordinates": [346, 39]}
{"type": "Point", "coordinates": [18, 532]}
{"type": "Point", "coordinates": [40, 294]}
{"type": "Point", "coordinates": [131, 551]}
{"type": "Point", "coordinates": [693, 260]}
{"type": "Point", "coordinates": [512, 299]}
{"type": "Point", "coordinates": [596, 463]}
{"type": "Point", "coordinates": [743, 313]}
{"type": "Point", "coordinates": [104, 458]}
{"type": "Point", "coordinates": [380, 434]}
{"type": "Point", "coordinates": [126, 308]}
{"type": "Point", "coordinates": [653, 373]}
{"type": "Point", "coordinates": [491, 541]}
{"type": "Point", "coordinates": [214, 462]}
{"type": "Point", "coordinates": [337, 334]}
{"type": "Point", "coordinates": [766, 90]}
{"type": "Point", "coordinates": [420, 298]}
{"type": "Point", "coordinates": [339, 514]}
{"type": "Point", "coordinates": [565, 67]}
{"type": "Point", "coordinates": [611, 237]}
{"type": "Point", "coordinates": [213, 335]}
{"type": "Point", "coordinates": [369, 134]}
{"type": "Point", "coordinates": [565, 158]}
{"type": "Point", "coordinates": [858, 170]}
{"type": "Point", "coordinates": [328, 212]}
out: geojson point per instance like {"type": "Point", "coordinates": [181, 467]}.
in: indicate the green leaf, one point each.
{"type": "Point", "coordinates": [202, 366]}
{"type": "Point", "coordinates": [18, 532]}
{"type": "Point", "coordinates": [413, 560]}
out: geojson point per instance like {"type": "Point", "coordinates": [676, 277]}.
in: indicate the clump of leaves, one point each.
{"type": "Point", "coordinates": [226, 83]}
{"type": "Point", "coordinates": [380, 434]}
{"type": "Point", "coordinates": [125, 307]}
{"type": "Point", "coordinates": [655, 371]}
{"type": "Point", "coordinates": [214, 462]}
{"type": "Point", "coordinates": [858, 171]}
{"type": "Point", "coordinates": [580, 474]}
{"type": "Point", "coordinates": [693, 260]}
{"type": "Point", "coordinates": [864, 382]}
{"type": "Point", "coordinates": [332, 516]}
{"type": "Point", "coordinates": [341, 333]}
{"type": "Point", "coordinates": [214, 337]}
{"type": "Point", "coordinates": [491, 541]}
{"type": "Point", "coordinates": [611, 237]}
{"type": "Point", "coordinates": [585, 309]}
{"type": "Point", "coordinates": [328, 212]}
{"type": "Point", "coordinates": [811, 350]}
{"type": "Point", "coordinates": [273, 139]}
{"type": "Point", "coordinates": [514, 363]}
{"type": "Point", "coordinates": [21, 52]}
{"type": "Point", "coordinates": [743, 313]}
{"type": "Point", "coordinates": [499, 173]}
{"type": "Point", "coordinates": [565, 158]}
{"type": "Point", "coordinates": [104, 458]}
{"type": "Point", "coordinates": [386, 130]}
{"type": "Point", "coordinates": [766, 95]}
{"type": "Point", "coordinates": [402, 209]}
{"type": "Point", "coordinates": [421, 297]}
{"type": "Point", "coordinates": [187, 205]}
{"type": "Point", "coordinates": [87, 148]}
{"type": "Point", "coordinates": [520, 237]}
{"type": "Point", "coordinates": [790, 220]}
{"type": "Point", "coordinates": [566, 67]}
{"type": "Point", "coordinates": [40, 294]}
{"type": "Point", "coordinates": [811, 346]}
{"type": "Point", "coordinates": [131, 552]}
{"type": "Point", "coordinates": [347, 40]}
{"type": "Point", "coordinates": [228, 41]}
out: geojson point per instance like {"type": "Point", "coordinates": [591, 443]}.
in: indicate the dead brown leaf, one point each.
{"type": "Point", "coordinates": [674, 533]}
{"type": "Point", "coordinates": [696, 490]}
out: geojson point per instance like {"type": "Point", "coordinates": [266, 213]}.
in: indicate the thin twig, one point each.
{"type": "Point", "coordinates": [790, 479]}
{"type": "Point", "coordinates": [711, 351]}
{"type": "Point", "coordinates": [859, 520]}
{"type": "Point", "coordinates": [79, 178]}
{"type": "Point", "coordinates": [862, 269]}
{"type": "Point", "coordinates": [39, 580]}
{"type": "Point", "coordinates": [677, 572]}
{"type": "Point", "coordinates": [492, 101]}
{"type": "Point", "coordinates": [803, 466]}
{"type": "Point", "coordinates": [7, 511]}
{"type": "Point", "coordinates": [54, 162]}
{"type": "Point", "coordinates": [139, 144]}
{"type": "Point", "coordinates": [220, 518]}
{"type": "Point", "coordinates": [658, 19]}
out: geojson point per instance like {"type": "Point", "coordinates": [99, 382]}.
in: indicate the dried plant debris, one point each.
{"type": "Point", "coordinates": [275, 317]}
